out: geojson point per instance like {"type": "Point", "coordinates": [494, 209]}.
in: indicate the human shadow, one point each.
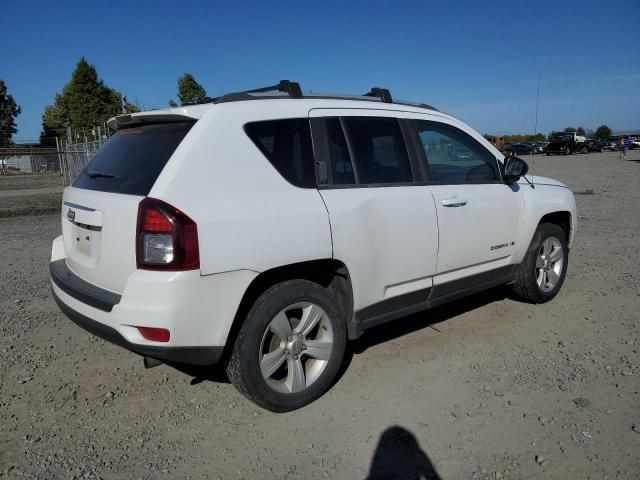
{"type": "Point", "coordinates": [399, 456]}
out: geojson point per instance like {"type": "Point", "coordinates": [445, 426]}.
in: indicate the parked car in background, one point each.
{"type": "Point", "coordinates": [540, 146]}
{"type": "Point", "coordinates": [595, 145]}
{"type": "Point", "coordinates": [566, 143]}
{"type": "Point", "coordinates": [634, 143]}
{"type": "Point", "coordinates": [515, 149]}
{"type": "Point", "coordinates": [460, 154]}
{"type": "Point", "coordinates": [610, 145]}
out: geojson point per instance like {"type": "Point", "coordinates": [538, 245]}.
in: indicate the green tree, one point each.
{"type": "Point", "coordinates": [569, 130]}
{"type": "Point", "coordinates": [172, 103]}
{"type": "Point", "coordinates": [54, 122]}
{"type": "Point", "coordinates": [603, 132]}
{"type": "Point", "coordinates": [9, 110]}
{"type": "Point", "coordinates": [189, 90]}
{"type": "Point", "coordinates": [87, 100]}
{"type": "Point", "coordinates": [581, 131]}
{"type": "Point", "coordinates": [84, 103]}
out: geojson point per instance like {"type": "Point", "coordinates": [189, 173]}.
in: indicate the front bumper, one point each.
{"type": "Point", "coordinates": [189, 355]}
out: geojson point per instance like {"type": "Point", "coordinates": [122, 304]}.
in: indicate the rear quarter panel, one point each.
{"type": "Point", "coordinates": [248, 216]}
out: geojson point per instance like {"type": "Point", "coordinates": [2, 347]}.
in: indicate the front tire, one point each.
{"type": "Point", "coordinates": [290, 347]}
{"type": "Point", "coordinates": [542, 271]}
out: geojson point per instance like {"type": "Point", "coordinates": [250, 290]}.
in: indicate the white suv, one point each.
{"type": "Point", "coordinates": [264, 229]}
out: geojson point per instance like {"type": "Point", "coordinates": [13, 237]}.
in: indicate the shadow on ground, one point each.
{"type": "Point", "coordinates": [399, 456]}
{"type": "Point", "coordinates": [428, 318]}
{"type": "Point", "coordinates": [375, 336]}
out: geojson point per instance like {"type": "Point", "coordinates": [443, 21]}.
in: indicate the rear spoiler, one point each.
{"type": "Point", "coordinates": [122, 121]}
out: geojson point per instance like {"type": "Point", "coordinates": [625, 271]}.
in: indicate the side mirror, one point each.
{"type": "Point", "coordinates": [514, 168]}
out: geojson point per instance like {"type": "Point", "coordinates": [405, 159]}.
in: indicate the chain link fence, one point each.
{"type": "Point", "coordinates": [71, 153]}
{"type": "Point", "coordinates": [75, 154]}
{"type": "Point", "coordinates": [21, 160]}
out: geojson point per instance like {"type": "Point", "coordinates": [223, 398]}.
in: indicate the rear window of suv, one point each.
{"type": "Point", "coordinates": [287, 146]}
{"type": "Point", "coordinates": [132, 159]}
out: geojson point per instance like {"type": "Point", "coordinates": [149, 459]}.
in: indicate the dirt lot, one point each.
{"type": "Point", "coordinates": [32, 194]}
{"type": "Point", "coordinates": [18, 181]}
{"type": "Point", "coordinates": [493, 389]}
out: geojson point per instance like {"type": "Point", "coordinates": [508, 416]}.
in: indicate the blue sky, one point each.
{"type": "Point", "coordinates": [476, 60]}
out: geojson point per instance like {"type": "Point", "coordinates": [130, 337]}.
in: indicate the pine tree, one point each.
{"type": "Point", "coordinates": [9, 110]}
{"type": "Point", "coordinates": [189, 90]}
{"type": "Point", "coordinates": [84, 103]}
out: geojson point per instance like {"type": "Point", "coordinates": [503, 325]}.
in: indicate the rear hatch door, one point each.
{"type": "Point", "coordinates": [99, 212]}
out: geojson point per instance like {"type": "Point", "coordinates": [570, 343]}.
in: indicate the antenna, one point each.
{"type": "Point", "coordinates": [535, 131]}
{"type": "Point", "coordinates": [535, 128]}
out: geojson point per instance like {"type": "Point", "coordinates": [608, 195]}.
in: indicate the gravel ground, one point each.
{"type": "Point", "coordinates": [484, 388]}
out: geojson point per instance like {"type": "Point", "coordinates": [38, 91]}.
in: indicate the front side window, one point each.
{"type": "Point", "coordinates": [453, 156]}
{"type": "Point", "coordinates": [379, 152]}
{"type": "Point", "coordinates": [287, 145]}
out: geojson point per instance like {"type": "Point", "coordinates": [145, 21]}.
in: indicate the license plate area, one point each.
{"type": "Point", "coordinates": [82, 231]}
{"type": "Point", "coordinates": [84, 241]}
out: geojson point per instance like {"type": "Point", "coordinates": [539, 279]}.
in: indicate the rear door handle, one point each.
{"type": "Point", "coordinates": [454, 202]}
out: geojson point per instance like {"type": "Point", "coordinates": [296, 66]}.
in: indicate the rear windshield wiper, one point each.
{"type": "Point", "coordinates": [98, 174]}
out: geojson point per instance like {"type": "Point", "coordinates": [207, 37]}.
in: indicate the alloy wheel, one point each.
{"type": "Point", "coordinates": [549, 264]}
{"type": "Point", "coordinates": [296, 347]}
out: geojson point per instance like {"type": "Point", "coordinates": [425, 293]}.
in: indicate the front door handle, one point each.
{"type": "Point", "coordinates": [454, 202]}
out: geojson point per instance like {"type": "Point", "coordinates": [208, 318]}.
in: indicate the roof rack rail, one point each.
{"type": "Point", "coordinates": [382, 93]}
{"type": "Point", "coordinates": [292, 89]}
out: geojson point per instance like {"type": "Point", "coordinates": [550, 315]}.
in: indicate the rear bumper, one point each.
{"type": "Point", "coordinates": [189, 355]}
{"type": "Point", "coordinates": [73, 285]}
{"type": "Point", "coordinates": [198, 310]}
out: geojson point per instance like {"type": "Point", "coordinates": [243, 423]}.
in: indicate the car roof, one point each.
{"type": "Point", "coordinates": [286, 91]}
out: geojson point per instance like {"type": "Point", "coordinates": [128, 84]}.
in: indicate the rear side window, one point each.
{"type": "Point", "coordinates": [287, 145]}
{"type": "Point", "coordinates": [132, 159]}
{"type": "Point", "coordinates": [379, 151]}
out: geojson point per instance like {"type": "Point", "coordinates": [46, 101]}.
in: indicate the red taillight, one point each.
{"type": "Point", "coordinates": [154, 221]}
{"type": "Point", "coordinates": [155, 334]}
{"type": "Point", "coordinates": [166, 238]}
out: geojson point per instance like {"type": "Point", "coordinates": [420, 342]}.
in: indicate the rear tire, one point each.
{"type": "Point", "coordinates": [542, 271]}
{"type": "Point", "coordinates": [290, 347]}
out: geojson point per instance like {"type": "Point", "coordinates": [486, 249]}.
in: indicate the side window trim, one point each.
{"type": "Point", "coordinates": [320, 144]}
{"type": "Point", "coordinates": [347, 138]}
{"type": "Point", "coordinates": [428, 179]}
{"type": "Point", "coordinates": [419, 165]}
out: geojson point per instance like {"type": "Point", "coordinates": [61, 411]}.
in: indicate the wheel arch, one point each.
{"type": "Point", "coordinates": [329, 273]}
{"type": "Point", "coordinates": [563, 219]}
